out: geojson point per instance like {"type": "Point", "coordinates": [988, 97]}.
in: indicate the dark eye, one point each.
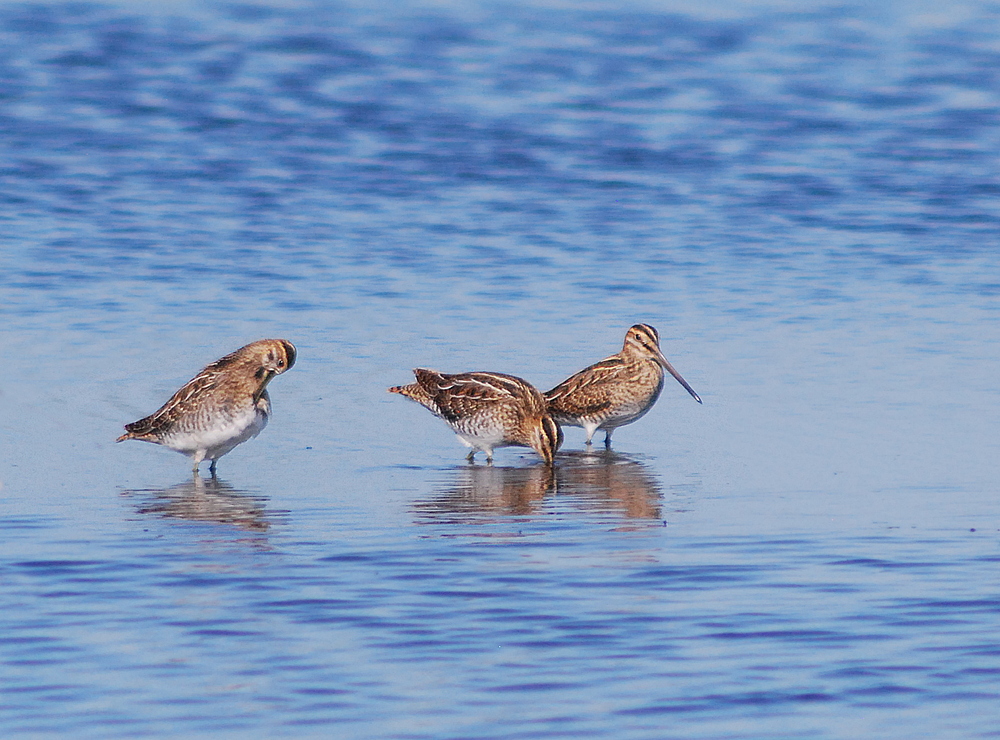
{"type": "Point", "coordinates": [281, 363]}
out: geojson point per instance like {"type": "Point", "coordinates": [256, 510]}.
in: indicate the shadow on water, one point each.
{"type": "Point", "coordinates": [208, 500]}
{"type": "Point", "coordinates": [592, 481]}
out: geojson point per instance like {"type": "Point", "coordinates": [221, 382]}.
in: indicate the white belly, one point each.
{"type": "Point", "coordinates": [222, 435]}
{"type": "Point", "coordinates": [485, 441]}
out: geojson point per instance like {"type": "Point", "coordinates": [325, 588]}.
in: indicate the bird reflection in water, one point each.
{"type": "Point", "coordinates": [600, 482]}
{"type": "Point", "coordinates": [207, 500]}
{"type": "Point", "coordinates": [487, 490]}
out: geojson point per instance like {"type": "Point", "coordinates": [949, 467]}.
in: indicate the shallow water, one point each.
{"type": "Point", "coordinates": [803, 202]}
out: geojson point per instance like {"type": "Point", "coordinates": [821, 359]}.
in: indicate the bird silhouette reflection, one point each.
{"type": "Point", "coordinates": [600, 482]}
{"type": "Point", "coordinates": [207, 500]}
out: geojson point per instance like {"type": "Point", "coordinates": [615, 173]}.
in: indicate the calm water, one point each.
{"type": "Point", "coordinates": [803, 201]}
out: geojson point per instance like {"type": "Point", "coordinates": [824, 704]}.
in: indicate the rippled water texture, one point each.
{"type": "Point", "coordinates": [803, 200]}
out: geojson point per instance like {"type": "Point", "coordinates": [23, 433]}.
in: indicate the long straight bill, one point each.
{"type": "Point", "coordinates": [267, 379]}
{"type": "Point", "coordinates": [670, 369]}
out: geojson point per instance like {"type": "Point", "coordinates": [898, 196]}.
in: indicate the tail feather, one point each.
{"type": "Point", "coordinates": [415, 392]}
{"type": "Point", "coordinates": [142, 436]}
{"type": "Point", "coordinates": [412, 391]}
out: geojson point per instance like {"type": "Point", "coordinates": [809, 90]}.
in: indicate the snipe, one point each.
{"type": "Point", "coordinates": [222, 406]}
{"type": "Point", "coordinates": [617, 390]}
{"type": "Point", "coordinates": [487, 410]}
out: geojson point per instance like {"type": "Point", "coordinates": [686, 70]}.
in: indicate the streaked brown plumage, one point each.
{"type": "Point", "coordinates": [222, 406]}
{"type": "Point", "coordinates": [617, 390]}
{"type": "Point", "coordinates": [487, 410]}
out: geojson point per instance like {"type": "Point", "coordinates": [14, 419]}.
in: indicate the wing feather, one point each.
{"type": "Point", "coordinates": [465, 394]}
{"type": "Point", "coordinates": [589, 391]}
{"type": "Point", "coordinates": [181, 403]}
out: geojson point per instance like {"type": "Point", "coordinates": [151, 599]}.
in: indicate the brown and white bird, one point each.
{"type": "Point", "coordinates": [222, 406]}
{"type": "Point", "coordinates": [487, 410]}
{"type": "Point", "coordinates": [615, 391]}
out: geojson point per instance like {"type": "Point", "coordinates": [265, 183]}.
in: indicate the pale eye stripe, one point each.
{"type": "Point", "coordinates": [647, 332]}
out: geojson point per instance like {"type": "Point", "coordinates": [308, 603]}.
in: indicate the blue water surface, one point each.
{"type": "Point", "coordinates": [802, 198]}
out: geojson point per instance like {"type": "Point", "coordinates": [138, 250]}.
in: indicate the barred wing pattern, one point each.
{"type": "Point", "coordinates": [178, 405]}
{"type": "Point", "coordinates": [590, 391]}
{"type": "Point", "coordinates": [454, 397]}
